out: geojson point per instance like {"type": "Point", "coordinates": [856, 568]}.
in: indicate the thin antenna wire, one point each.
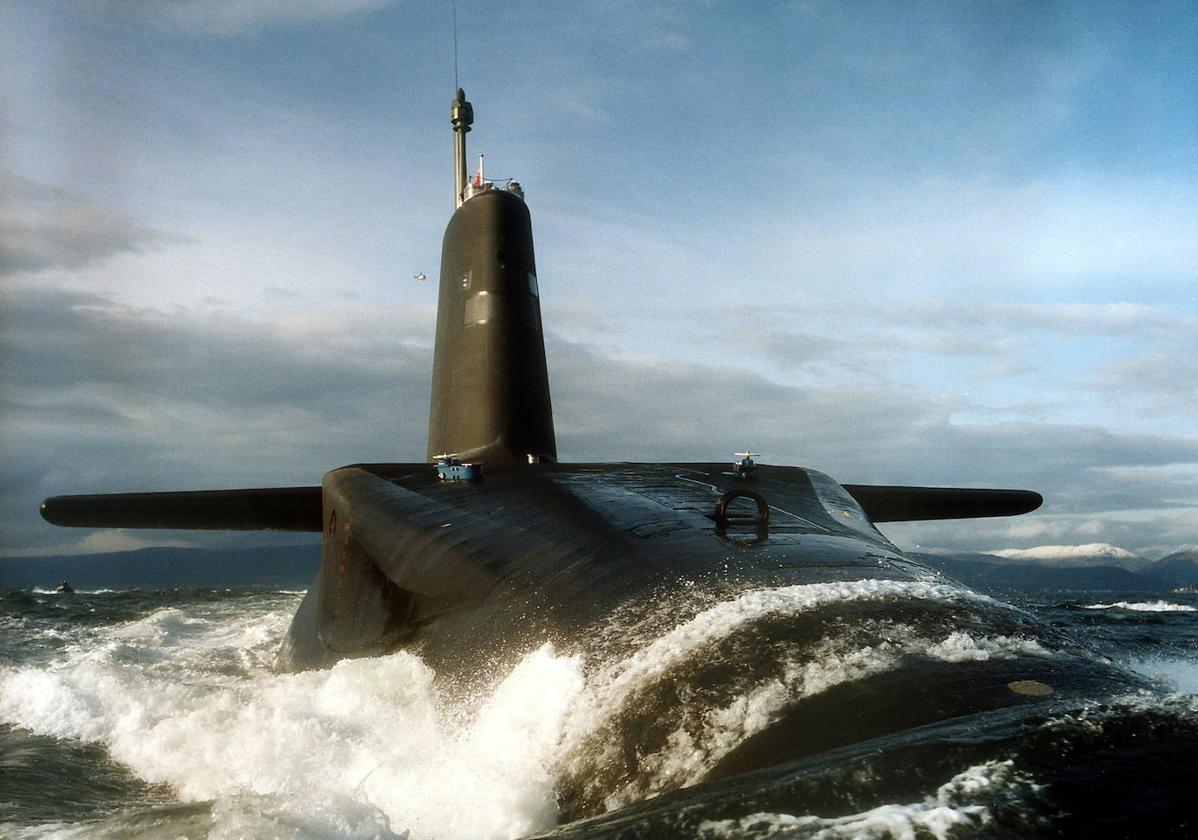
{"type": "Point", "coordinates": [455, 44]}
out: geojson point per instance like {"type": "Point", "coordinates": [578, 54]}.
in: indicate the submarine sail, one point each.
{"type": "Point", "coordinates": [490, 393]}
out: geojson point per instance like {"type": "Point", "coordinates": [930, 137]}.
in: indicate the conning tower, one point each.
{"type": "Point", "coordinates": [490, 393]}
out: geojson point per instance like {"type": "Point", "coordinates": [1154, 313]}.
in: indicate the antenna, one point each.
{"type": "Point", "coordinates": [455, 44]}
{"type": "Point", "coordinates": [461, 114]}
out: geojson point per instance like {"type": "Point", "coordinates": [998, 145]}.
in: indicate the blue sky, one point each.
{"type": "Point", "coordinates": [944, 243]}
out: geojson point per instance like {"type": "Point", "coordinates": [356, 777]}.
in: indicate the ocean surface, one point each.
{"type": "Point", "coordinates": [158, 714]}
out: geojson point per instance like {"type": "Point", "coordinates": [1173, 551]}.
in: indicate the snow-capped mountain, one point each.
{"type": "Point", "coordinates": [1072, 556]}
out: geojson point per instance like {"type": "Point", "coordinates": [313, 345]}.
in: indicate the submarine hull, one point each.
{"type": "Point", "coordinates": [802, 626]}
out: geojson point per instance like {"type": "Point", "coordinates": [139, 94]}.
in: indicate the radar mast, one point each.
{"type": "Point", "coordinates": [461, 114]}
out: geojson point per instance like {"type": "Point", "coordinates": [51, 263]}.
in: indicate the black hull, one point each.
{"type": "Point", "coordinates": [600, 560]}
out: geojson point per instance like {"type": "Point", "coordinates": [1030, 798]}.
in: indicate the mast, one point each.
{"type": "Point", "coordinates": [461, 114]}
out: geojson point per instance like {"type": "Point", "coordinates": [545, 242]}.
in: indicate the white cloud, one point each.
{"type": "Point", "coordinates": [656, 27]}
{"type": "Point", "coordinates": [978, 238]}
{"type": "Point", "coordinates": [1119, 317]}
{"type": "Point", "coordinates": [1148, 533]}
{"type": "Point", "coordinates": [43, 227]}
{"type": "Point", "coordinates": [236, 17]}
{"type": "Point", "coordinates": [1165, 376]}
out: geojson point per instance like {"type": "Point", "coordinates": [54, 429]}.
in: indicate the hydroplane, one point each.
{"type": "Point", "coordinates": [695, 586]}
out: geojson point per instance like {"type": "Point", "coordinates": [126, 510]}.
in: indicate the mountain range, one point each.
{"type": "Point", "coordinates": [273, 567]}
{"type": "Point", "coordinates": [1065, 556]}
{"type": "Point", "coordinates": [1093, 567]}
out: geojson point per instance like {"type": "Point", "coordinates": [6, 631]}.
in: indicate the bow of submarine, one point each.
{"type": "Point", "coordinates": [476, 575]}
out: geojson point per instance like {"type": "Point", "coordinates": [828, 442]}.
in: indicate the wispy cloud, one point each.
{"type": "Point", "coordinates": [234, 17]}
{"type": "Point", "coordinates": [43, 227]}
{"type": "Point", "coordinates": [1165, 378]}
{"type": "Point", "coordinates": [650, 27]}
{"type": "Point", "coordinates": [971, 237]}
{"type": "Point", "coordinates": [99, 397]}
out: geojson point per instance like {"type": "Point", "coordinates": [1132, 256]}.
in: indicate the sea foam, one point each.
{"type": "Point", "coordinates": [366, 748]}
{"type": "Point", "coordinates": [1179, 674]}
{"type": "Point", "coordinates": [960, 803]}
{"type": "Point", "coordinates": [1143, 606]}
{"type": "Point", "coordinates": [701, 737]}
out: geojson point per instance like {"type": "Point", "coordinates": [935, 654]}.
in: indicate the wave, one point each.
{"type": "Point", "coordinates": [961, 803]}
{"type": "Point", "coordinates": [1142, 606]}
{"type": "Point", "coordinates": [688, 757]}
{"type": "Point", "coordinates": [187, 697]}
{"type": "Point", "coordinates": [662, 687]}
{"type": "Point", "coordinates": [1178, 673]}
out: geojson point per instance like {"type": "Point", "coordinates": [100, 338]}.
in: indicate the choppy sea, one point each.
{"type": "Point", "coordinates": [158, 714]}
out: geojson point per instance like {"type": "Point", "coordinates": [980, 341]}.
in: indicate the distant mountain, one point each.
{"type": "Point", "coordinates": [276, 567]}
{"type": "Point", "coordinates": [293, 567]}
{"type": "Point", "coordinates": [991, 572]}
{"type": "Point", "coordinates": [1076, 556]}
{"type": "Point", "coordinates": [1179, 568]}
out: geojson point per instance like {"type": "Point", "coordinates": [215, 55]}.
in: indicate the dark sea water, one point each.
{"type": "Point", "coordinates": [157, 713]}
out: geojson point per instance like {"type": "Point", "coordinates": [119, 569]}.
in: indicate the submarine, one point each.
{"type": "Point", "coordinates": [758, 652]}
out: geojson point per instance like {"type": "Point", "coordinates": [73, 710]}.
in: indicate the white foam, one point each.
{"type": "Point", "coordinates": [1143, 606]}
{"type": "Point", "coordinates": [962, 647]}
{"type": "Point", "coordinates": [1179, 674]}
{"type": "Point", "coordinates": [693, 748]}
{"type": "Point", "coordinates": [186, 696]}
{"type": "Point", "coordinates": [688, 757]}
{"type": "Point", "coordinates": [680, 643]}
{"type": "Point", "coordinates": [959, 803]}
{"type": "Point", "coordinates": [364, 749]}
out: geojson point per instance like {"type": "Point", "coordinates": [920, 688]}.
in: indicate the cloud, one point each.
{"type": "Point", "coordinates": [235, 17]}
{"type": "Point", "coordinates": [977, 237]}
{"type": "Point", "coordinates": [657, 409]}
{"type": "Point", "coordinates": [104, 397]}
{"type": "Point", "coordinates": [999, 361]}
{"type": "Point", "coordinates": [1119, 318]}
{"type": "Point", "coordinates": [659, 27]}
{"type": "Point", "coordinates": [1165, 377]}
{"type": "Point", "coordinates": [44, 227]}
{"type": "Point", "coordinates": [867, 352]}
{"type": "Point", "coordinates": [1135, 490]}
{"type": "Point", "coordinates": [1149, 535]}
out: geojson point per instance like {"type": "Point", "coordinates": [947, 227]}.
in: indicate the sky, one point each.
{"type": "Point", "coordinates": [903, 243]}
